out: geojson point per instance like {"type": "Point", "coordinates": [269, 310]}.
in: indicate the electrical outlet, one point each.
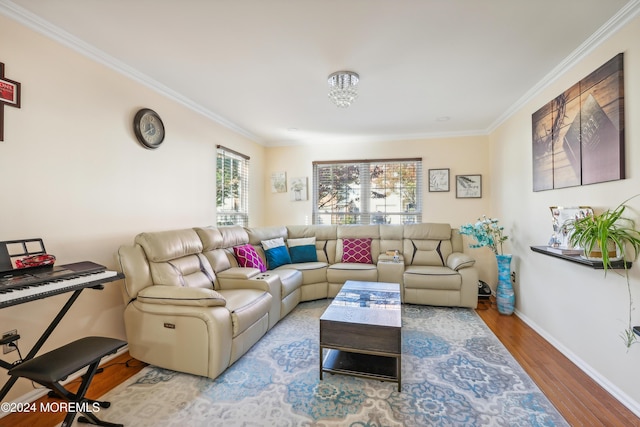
{"type": "Point", "coordinates": [6, 348]}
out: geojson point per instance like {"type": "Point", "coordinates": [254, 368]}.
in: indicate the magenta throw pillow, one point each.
{"type": "Point", "coordinates": [357, 250]}
{"type": "Point", "coordinates": [248, 257]}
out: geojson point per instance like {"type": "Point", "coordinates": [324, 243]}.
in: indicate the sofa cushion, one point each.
{"type": "Point", "coordinates": [431, 277]}
{"type": "Point", "coordinates": [303, 250]}
{"type": "Point", "coordinates": [290, 280]}
{"type": "Point", "coordinates": [357, 251]}
{"type": "Point", "coordinates": [312, 272]}
{"type": "Point", "coordinates": [258, 234]}
{"type": "Point", "coordinates": [276, 253]}
{"type": "Point", "coordinates": [341, 272]}
{"type": "Point", "coordinates": [248, 257]}
{"type": "Point", "coordinates": [162, 246]}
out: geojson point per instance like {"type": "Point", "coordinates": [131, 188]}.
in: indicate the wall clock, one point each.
{"type": "Point", "coordinates": [148, 128]}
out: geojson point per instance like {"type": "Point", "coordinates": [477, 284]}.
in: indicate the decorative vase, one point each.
{"type": "Point", "coordinates": [505, 297]}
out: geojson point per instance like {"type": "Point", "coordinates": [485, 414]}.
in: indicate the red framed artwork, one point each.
{"type": "Point", "coordinates": [9, 95]}
{"type": "Point", "coordinates": [9, 90]}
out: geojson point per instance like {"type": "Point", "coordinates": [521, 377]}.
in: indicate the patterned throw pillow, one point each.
{"type": "Point", "coordinates": [357, 250]}
{"type": "Point", "coordinates": [303, 250]}
{"type": "Point", "coordinates": [276, 253]}
{"type": "Point", "coordinates": [248, 257]}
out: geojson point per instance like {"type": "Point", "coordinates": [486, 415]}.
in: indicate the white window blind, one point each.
{"type": "Point", "coordinates": [232, 187]}
{"type": "Point", "coordinates": [387, 191]}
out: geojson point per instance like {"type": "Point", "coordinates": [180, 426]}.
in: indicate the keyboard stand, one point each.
{"type": "Point", "coordinates": [46, 334]}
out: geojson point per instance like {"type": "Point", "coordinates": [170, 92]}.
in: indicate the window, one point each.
{"type": "Point", "coordinates": [232, 187]}
{"type": "Point", "coordinates": [367, 192]}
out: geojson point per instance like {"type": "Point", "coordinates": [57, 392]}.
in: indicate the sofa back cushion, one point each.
{"type": "Point", "coordinates": [163, 246]}
{"type": "Point", "coordinates": [218, 243]}
{"type": "Point", "coordinates": [427, 244]}
{"type": "Point", "coordinates": [175, 258]}
{"type": "Point", "coordinates": [391, 237]}
{"type": "Point", "coordinates": [258, 234]}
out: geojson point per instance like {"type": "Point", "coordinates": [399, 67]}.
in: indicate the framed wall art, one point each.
{"type": "Point", "coordinates": [468, 186]}
{"type": "Point", "coordinates": [279, 182]}
{"type": "Point", "coordinates": [9, 95]}
{"type": "Point", "coordinates": [438, 180]}
{"type": "Point", "coordinates": [298, 189]}
{"type": "Point", "coordinates": [578, 137]}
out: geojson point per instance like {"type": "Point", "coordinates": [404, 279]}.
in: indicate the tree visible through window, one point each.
{"type": "Point", "coordinates": [232, 187]}
{"type": "Point", "coordinates": [368, 192]}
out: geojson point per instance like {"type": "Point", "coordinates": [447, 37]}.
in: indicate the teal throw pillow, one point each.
{"type": "Point", "coordinates": [303, 250]}
{"type": "Point", "coordinates": [276, 253]}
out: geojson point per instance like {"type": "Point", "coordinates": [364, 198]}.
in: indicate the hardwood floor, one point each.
{"type": "Point", "coordinates": [578, 398]}
{"type": "Point", "coordinates": [115, 372]}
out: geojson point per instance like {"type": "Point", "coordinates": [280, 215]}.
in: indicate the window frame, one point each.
{"type": "Point", "coordinates": [238, 215]}
{"type": "Point", "coordinates": [364, 213]}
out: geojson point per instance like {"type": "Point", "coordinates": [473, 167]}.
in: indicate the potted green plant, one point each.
{"type": "Point", "coordinates": [610, 235]}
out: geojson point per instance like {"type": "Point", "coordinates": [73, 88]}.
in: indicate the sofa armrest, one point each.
{"type": "Point", "coordinates": [173, 295]}
{"type": "Point", "coordinates": [458, 260]}
{"type": "Point", "coordinates": [389, 258]}
{"type": "Point", "coordinates": [242, 278]}
{"type": "Point", "coordinates": [238, 273]}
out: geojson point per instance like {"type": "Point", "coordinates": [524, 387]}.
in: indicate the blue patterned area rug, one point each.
{"type": "Point", "coordinates": [455, 372]}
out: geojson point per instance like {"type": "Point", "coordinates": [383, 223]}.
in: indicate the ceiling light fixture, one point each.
{"type": "Point", "coordinates": [343, 88]}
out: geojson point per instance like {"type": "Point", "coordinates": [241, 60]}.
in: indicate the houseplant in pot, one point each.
{"type": "Point", "coordinates": [610, 236]}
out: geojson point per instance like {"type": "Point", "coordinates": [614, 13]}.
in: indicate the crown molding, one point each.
{"type": "Point", "coordinates": [612, 26]}
{"type": "Point", "coordinates": [23, 16]}
{"type": "Point", "coordinates": [34, 22]}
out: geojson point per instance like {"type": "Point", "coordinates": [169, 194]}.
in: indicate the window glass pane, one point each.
{"type": "Point", "coordinates": [373, 192]}
{"type": "Point", "coordinates": [338, 188]}
{"type": "Point", "coordinates": [232, 179]}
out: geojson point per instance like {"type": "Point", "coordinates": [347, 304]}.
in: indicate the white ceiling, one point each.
{"type": "Point", "coordinates": [260, 66]}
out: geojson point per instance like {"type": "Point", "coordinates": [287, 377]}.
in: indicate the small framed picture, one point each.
{"type": "Point", "coordinates": [438, 180]}
{"type": "Point", "coordinates": [298, 189]}
{"type": "Point", "coordinates": [9, 90]}
{"type": "Point", "coordinates": [279, 182]}
{"type": "Point", "coordinates": [468, 186]}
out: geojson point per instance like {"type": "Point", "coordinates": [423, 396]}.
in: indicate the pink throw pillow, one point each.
{"type": "Point", "coordinates": [357, 250]}
{"type": "Point", "coordinates": [248, 257]}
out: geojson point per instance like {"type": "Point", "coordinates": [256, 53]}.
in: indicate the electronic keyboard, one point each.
{"type": "Point", "coordinates": [20, 288]}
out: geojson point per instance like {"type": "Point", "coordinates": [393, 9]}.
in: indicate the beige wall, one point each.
{"type": "Point", "coordinates": [575, 307]}
{"type": "Point", "coordinates": [468, 155]}
{"type": "Point", "coordinates": [72, 173]}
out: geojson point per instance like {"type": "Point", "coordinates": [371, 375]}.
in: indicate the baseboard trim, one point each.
{"type": "Point", "coordinates": [612, 389]}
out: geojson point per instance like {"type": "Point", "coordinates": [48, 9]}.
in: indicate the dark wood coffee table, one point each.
{"type": "Point", "coordinates": [362, 331]}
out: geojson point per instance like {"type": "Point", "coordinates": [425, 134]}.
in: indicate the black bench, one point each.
{"type": "Point", "coordinates": [55, 366]}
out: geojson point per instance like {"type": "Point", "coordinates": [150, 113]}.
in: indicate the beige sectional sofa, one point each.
{"type": "Point", "coordinates": [192, 307]}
